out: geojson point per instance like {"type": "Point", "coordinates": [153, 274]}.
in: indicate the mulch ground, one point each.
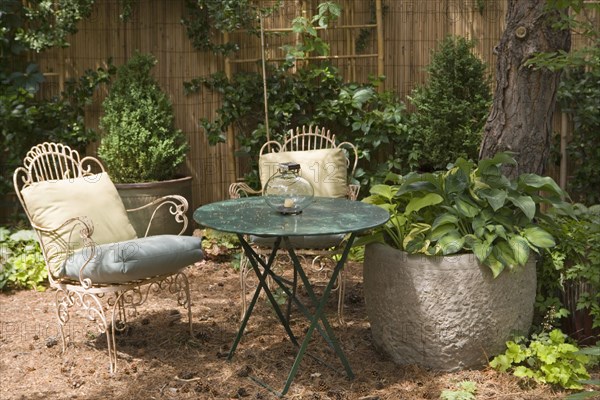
{"type": "Point", "coordinates": [159, 360]}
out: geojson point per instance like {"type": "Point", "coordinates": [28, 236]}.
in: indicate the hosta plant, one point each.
{"type": "Point", "coordinates": [468, 208]}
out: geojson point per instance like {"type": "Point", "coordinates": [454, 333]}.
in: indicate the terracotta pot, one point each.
{"type": "Point", "coordinates": [444, 313]}
{"type": "Point", "coordinates": [138, 194]}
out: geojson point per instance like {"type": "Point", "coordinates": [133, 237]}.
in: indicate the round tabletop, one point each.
{"type": "Point", "coordinates": [324, 216]}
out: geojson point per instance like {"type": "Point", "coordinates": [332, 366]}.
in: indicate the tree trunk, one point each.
{"type": "Point", "coordinates": [524, 98]}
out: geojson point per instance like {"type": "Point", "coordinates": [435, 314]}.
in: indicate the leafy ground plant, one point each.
{"type": "Point", "coordinates": [466, 391]}
{"type": "Point", "coordinates": [21, 262]}
{"type": "Point", "coordinates": [547, 358]}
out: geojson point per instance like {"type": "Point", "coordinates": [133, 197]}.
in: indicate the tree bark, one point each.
{"type": "Point", "coordinates": [524, 99]}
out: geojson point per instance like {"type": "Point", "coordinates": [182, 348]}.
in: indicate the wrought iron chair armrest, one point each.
{"type": "Point", "coordinates": [85, 232]}
{"type": "Point", "coordinates": [178, 208]}
{"type": "Point", "coordinates": [239, 189]}
{"type": "Point", "coordinates": [57, 251]}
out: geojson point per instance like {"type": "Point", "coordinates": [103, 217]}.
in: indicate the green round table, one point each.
{"type": "Point", "coordinates": [324, 216]}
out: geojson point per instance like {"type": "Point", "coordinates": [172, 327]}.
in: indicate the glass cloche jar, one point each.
{"type": "Point", "coordinates": [286, 191]}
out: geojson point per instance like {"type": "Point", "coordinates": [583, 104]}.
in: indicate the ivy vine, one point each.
{"type": "Point", "coordinates": [206, 18]}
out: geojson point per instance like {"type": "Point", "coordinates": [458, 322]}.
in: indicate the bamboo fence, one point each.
{"type": "Point", "coordinates": [398, 38]}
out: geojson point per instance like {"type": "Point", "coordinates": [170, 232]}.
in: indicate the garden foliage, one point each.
{"type": "Point", "coordinates": [579, 97]}
{"type": "Point", "coordinates": [26, 118]}
{"type": "Point", "coordinates": [468, 208]}
{"type": "Point", "coordinates": [546, 358]}
{"type": "Point", "coordinates": [21, 262]}
{"type": "Point", "coordinates": [574, 261]}
{"type": "Point", "coordinates": [451, 107]}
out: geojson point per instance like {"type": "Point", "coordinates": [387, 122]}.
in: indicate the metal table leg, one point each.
{"type": "Point", "coordinates": [317, 320]}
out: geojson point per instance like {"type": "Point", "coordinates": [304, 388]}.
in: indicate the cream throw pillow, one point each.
{"type": "Point", "coordinates": [51, 203]}
{"type": "Point", "coordinates": [325, 169]}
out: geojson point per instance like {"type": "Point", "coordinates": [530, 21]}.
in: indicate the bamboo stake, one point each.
{"type": "Point", "coordinates": [253, 60]}
{"type": "Point", "coordinates": [563, 150]}
{"type": "Point", "coordinates": [264, 76]}
{"type": "Point", "coordinates": [380, 45]}
{"type": "Point", "coordinates": [231, 170]}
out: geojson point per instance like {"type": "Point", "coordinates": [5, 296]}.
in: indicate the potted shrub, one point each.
{"type": "Point", "coordinates": [141, 148]}
{"type": "Point", "coordinates": [450, 277]}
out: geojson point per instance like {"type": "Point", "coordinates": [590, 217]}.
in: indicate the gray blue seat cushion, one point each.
{"type": "Point", "coordinates": [135, 259]}
{"type": "Point", "coordinates": [302, 242]}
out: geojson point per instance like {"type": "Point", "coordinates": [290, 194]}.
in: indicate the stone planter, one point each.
{"type": "Point", "coordinates": [444, 313]}
{"type": "Point", "coordinates": [138, 194]}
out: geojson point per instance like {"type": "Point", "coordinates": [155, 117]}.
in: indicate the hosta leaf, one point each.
{"type": "Point", "coordinates": [504, 253]}
{"type": "Point", "coordinates": [481, 250]}
{"type": "Point", "coordinates": [496, 266]}
{"type": "Point", "coordinates": [520, 249]}
{"type": "Point", "coordinates": [466, 208]}
{"type": "Point", "coordinates": [444, 219]}
{"type": "Point", "coordinates": [384, 191]}
{"type": "Point", "coordinates": [499, 158]}
{"type": "Point", "coordinates": [441, 230]}
{"type": "Point", "coordinates": [450, 243]}
{"type": "Point", "coordinates": [456, 181]}
{"type": "Point", "coordinates": [418, 203]}
{"type": "Point", "coordinates": [494, 197]}
{"type": "Point", "coordinates": [545, 183]}
{"type": "Point", "coordinates": [415, 245]}
{"type": "Point", "coordinates": [526, 204]}
{"type": "Point", "coordinates": [478, 224]}
{"type": "Point", "coordinates": [538, 237]}
{"type": "Point", "coordinates": [499, 230]}
{"type": "Point", "coordinates": [397, 220]}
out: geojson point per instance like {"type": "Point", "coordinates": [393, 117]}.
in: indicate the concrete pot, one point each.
{"type": "Point", "coordinates": [444, 313]}
{"type": "Point", "coordinates": [138, 194]}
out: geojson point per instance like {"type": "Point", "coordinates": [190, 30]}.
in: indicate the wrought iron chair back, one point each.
{"type": "Point", "coordinates": [303, 139]}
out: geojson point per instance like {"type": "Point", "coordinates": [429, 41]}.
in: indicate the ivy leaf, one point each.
{"type": "Point", "coordinates": [361, 96]}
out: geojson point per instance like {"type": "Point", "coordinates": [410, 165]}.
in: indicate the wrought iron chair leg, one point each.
{"type": "Point", "coordinates": [62, 314]}
{"type": "Point", "coordinates": [183, 284]}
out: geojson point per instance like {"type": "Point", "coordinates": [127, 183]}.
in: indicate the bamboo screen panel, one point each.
{"type": "Point", "coordinates": [155, 28]}
{"type": "Point", "coordinates": [411, 30]}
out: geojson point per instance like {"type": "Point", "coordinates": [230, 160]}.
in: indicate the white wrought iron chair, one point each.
{"type": "Point", "coordinates": [89, 246]}
{"type": "Point", "coordinates": [328, 165]}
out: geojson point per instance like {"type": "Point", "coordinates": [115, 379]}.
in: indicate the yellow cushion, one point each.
{"type": "Point", "coordinates": [325, 169]}
{"type": "Point", "coordinates": [51, 203]}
